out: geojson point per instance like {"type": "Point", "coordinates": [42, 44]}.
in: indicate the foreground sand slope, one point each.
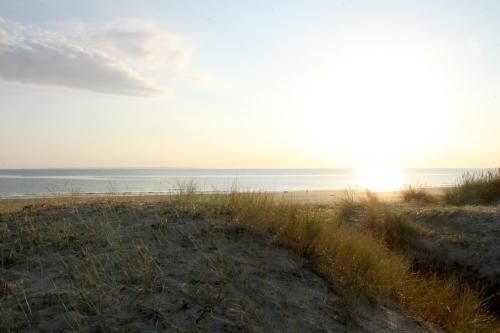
{"type": "Point", "coordinates": [464, 241]}
{"type": "Point", "coordinates": [145, 267]}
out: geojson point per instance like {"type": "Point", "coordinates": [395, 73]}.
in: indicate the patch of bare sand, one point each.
{"type": "Point", "coordinates": [205, 276]}
{"type": "Point", "coordinates": [331, 196]}
{"type": "Point", "coordinates": [465, 241]}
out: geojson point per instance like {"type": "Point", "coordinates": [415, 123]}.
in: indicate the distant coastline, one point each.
{"type": "Point", "coordinates": [33, 183]}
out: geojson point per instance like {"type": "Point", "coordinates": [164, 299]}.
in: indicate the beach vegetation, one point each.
{"type": "Point", "coordinates": [418, 195]}
{"type": "Point", "coordinates": [475, 189]}
{"type": "Point", "coordinates": [111, 256]}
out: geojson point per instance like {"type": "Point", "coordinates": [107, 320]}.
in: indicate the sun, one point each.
{"type": "Point", "coordinates": [377, 101]}
{"type": "Point", "coordinates": [380, 178]}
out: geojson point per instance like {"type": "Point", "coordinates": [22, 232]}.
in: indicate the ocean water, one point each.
{"type": "Point", "coordinates": [50, 182]}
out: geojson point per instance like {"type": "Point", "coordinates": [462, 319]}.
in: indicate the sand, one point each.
{"type": "Point", "coordinates": [465, 241]}
{"type": "Point", "coordinates": [325, 197]}
{"type": "Point", "coordinates": [142, 267]}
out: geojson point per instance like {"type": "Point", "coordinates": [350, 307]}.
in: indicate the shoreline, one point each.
{"type": "Point", "coordinates": [320, 195]}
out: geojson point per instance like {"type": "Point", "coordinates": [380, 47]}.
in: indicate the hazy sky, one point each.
{"type": "Point", "coordinates": [249, 83]}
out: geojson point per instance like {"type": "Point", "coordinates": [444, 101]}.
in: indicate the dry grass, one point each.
{"type": "Point", "coordinates": [347, 205]}
{"type": "Point", "coordinates": [368, 264]}
{"type": "Point", "coordinates": [394, 229]}
{"type": "Point", "coordinates": [362, 261]}
{"type": "Point", "coordinates": [483, 188]}
{"type": "Point", "coordinates": [418, 195]}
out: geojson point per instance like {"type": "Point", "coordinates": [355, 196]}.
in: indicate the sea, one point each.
{"type": "Point", "coordinates": [150, 181]}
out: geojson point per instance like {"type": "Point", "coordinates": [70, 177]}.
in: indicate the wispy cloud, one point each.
{"type": "Point", "coordinates": [142, 42]}
{"type": "Point", "coordinates": [105, 58]}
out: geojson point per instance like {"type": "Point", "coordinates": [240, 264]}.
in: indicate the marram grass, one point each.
{"type": "Point", "coordinates": [363, 263]}
{"type": "Point", "coordinates": [366, 262]}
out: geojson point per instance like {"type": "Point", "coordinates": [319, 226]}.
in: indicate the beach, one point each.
{"type": "Point", "coordinates": [249, 166]}
{"type": "Point", "coordinates": [207, 262]}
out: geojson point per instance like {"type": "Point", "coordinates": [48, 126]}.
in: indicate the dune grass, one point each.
{"type": "Point", "coordinates": [472, 189]}
{"type": "Point", "coordinates": [482, 188]}
{"type": "Point", "coordinates": [367, 262]}
{"type": "Point", "coordinates": [418, 195]}
{"type": "Point", "coordinates": [363, 262]}
{"type": "Point", "coordinates": [394, 229]}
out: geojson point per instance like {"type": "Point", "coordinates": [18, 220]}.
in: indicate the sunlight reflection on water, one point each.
{"type": "Point", "coordinates": [380, 178]}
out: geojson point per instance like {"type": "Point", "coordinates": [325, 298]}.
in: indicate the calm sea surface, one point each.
{"type": "Point", "coordinates": [47, 182]}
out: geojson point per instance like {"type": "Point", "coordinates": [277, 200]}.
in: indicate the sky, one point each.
{"type": "Point", "coordinates": [249, 84]}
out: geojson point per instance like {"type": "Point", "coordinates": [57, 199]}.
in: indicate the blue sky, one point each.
{"type": "Point", "coordinates": [249, 84]}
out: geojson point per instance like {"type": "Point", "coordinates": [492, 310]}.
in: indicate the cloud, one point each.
{"type": "Point", "coordinates": [67, 66]}
{"type": "Point", "coordinates": [142, 42]}
{"type": "Point", "coordinates": [105, 58]}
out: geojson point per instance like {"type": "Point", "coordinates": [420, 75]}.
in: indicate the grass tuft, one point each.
{"type": "Point", "coordinates": [475, 189]}
{"type": "Point", "coordinates": [363, 262]}
{"type": "Point", "coordinates": [394, 229]}
{"type": "Point", "coordinates": [418, 195]}
{"type": "Point", "coordinates": [346, 207]}
{"type": "Point", "coordinates": [108, 264]}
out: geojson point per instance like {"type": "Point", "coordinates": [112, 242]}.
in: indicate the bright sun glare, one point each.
{"type": "Point", "coordinates": [388, 96]}
{"type": "Point", "coordinates": [383, 100]}
{"type": "Point", "coordinates": [380, 178]}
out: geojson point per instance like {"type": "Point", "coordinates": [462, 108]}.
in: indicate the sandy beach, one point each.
{"type": "Point", "coordinates": [165, 263]}
{"type": "Point", "coordinates": [316, 197]}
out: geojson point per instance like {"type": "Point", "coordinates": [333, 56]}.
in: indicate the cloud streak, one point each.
{"type": "Point", "coordinates": [69, 67]}
{"type": "Point", "coordinates": [103, 60]}
{"type": "Point", "coordinates": [142, 42]}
